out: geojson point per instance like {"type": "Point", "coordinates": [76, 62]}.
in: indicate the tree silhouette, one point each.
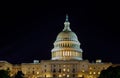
{"type": "Point", "coordinates": [19, 75]}
{"type": "Point", "coordinates": [4, 74]}
{"type": "Point", "coordinates": [111, 72]}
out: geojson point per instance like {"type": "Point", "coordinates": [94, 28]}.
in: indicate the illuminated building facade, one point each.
{"type": "Point", "coordinates": [66, 60]}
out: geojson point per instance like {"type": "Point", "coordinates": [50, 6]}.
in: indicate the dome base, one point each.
{"type": "Point", "coordinates": [66, 58]}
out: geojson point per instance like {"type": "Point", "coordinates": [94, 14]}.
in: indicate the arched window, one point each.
{"type": "Point", "coordinates": [54, 75]}
{"type": "Point", "coordinates": [59, 70]}
{"type": "Point", "coordinates": [54, 70]}
{"type": "Point", "coordinates": [73, 70]}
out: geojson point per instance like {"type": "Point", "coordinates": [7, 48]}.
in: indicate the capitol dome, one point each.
{"type": "Point", "coordinates": [66, 46]}
{"type": "Point", "coordinates": [67, 35]}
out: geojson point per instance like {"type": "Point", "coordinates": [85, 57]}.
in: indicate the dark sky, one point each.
{"type": "Point", "coordinates": [28, 29]}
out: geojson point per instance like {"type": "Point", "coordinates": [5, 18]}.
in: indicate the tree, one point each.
{"type": "Point", "coordinates": [19, 74]}
{"type": "Point", "coordinates": [111, 72]}
{"type": "Point", "coordinates": [4, 74]}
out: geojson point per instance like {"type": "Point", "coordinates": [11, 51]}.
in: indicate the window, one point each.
{"type": "Point", "coordinates": [54, 75]}
{"type": "Point", "coordinates": [45, 65]}
{"type": "Point", "coordinates": [37, 72]}
{"type": "Point", "coordinates": [80, 76]}
{"type": "Point", "coordinates": [33, 72]}
{"type": "Point", "coordinates": [64, 69]}
{"type": "Point", "coordinates": [54, 65]}
{"type": "Point", "coordinates": [60, 70]}
{"type": "Point", "coordinates": [63, 74]}
{"type": "Point", "coordinates": [98, 72]}
{"type": "Point", "coordinates": [68, 75]}
{"type": "Point", "coordinates": [73, 75]}
{"type": "Point", "coordinates": [90, 72]}
{"type": "Point", "coordinates": [54, 70]}
{"type": "Point", "coordinates": [65, 53]}
{"type": "Point", "coordinates": [82, 65]}
{"type": "Point", "coordinates": [68, 70]}
{"type": "Point", "coordinates": [90, 68]}
{"type": "Point", "coordinates": [60, 75]}
{"type": "Point", "coordinates": [73, 70]}
{"type": "Point", "coordinates": [94, 72]}
{"type": "Point", "coordinates": [45, 70]}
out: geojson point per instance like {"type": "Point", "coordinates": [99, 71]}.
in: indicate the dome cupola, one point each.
{"type": "Point", "coordinates": [66, 46]}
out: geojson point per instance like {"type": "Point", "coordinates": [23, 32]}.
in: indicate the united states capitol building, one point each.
{"type": "Point", "coordinates": [66, 60]}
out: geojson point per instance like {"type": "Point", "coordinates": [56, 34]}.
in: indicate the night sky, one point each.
{"type": "Point", "coordinates": [29, 29]}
